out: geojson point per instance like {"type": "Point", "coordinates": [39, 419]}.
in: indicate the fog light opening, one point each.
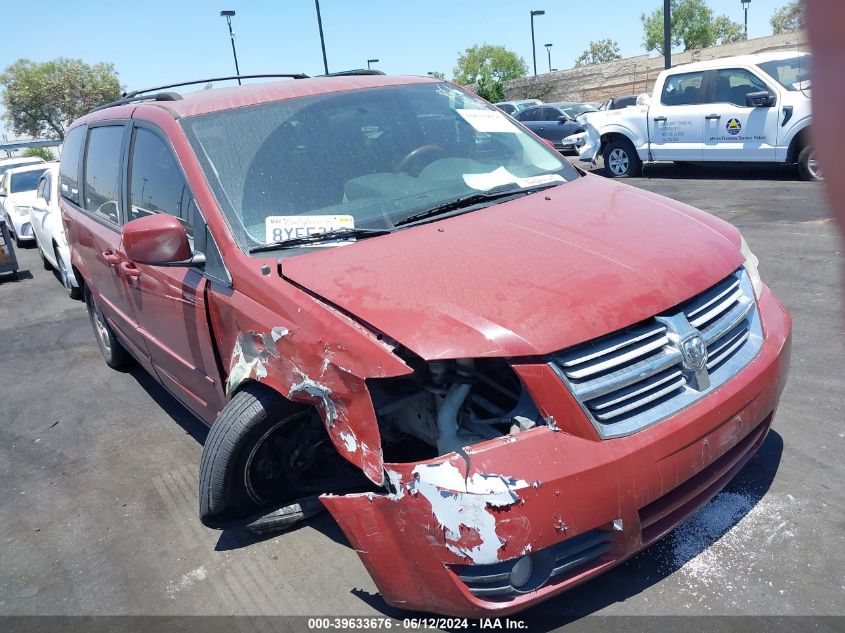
{"type": "Point", "coordinates": [522, 572]}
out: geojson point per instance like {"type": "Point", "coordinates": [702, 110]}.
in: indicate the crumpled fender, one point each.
{"type": "Point", "coordinates": [290, 354]}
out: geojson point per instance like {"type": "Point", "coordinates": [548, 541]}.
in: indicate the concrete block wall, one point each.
{"type": "Point", "coordinates": [634, 75]}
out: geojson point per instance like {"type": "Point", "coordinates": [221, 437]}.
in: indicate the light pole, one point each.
{"type": "Point", "coordinates": [745, 4]}
{"type": "Point", "coordinates": [322, 39]}
{"type": "Point", "coordinates": [371, 61]}
{"type": "Point", "coordinates": [549, 51]}
{"type": "Point", "coordinates": [228, 15]}
{"type": "Point", "coordinates": [667, 34]}
{"type": "Point", "coordinates": [533, 47]}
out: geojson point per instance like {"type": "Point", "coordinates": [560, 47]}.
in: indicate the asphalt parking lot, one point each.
{"type": "Point", "coordinates": [98, 509]}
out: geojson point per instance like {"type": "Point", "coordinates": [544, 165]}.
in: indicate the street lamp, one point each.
{"type": "Point", "coordinates": [745, 4]}
{"type": "Point", "coordinates": [228, 15]}
{"type": "Point", "coordinates": [549, 51]}
{"type": "Point", "coordinates": [322, 39]}
{"type": "Point", "coordinates": [533, 47]}
{"type": "Point", "coordinates": [371, 61]}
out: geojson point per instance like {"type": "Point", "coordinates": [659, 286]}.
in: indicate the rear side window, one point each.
{"type": "Point", "coordinates": [69, 170]}
{"type": "Point", "coordinates": [682, 89]}
{"type": "Point", "coordinates": [102, 172]}
{"type": "Point", "coordinates": [156, 183]}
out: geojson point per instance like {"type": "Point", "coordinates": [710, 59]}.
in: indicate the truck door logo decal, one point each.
{"type": "Point", "coordinates": [733, 127]}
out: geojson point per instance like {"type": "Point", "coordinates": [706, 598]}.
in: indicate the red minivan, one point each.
{"type": "Point", "coordinates": [501, 375]}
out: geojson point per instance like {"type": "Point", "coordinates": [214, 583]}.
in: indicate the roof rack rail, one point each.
{"type": "Point", "coordinates": [159, 96]}
{"type": "Point", "coordinates": [205, 81]}
{"type": "Point", "coordinates": [353, 72]}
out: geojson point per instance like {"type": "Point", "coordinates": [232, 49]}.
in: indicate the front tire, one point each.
{"type": "Point", "coordinates": [113, 352]}
{"type": "Point", "coordinates": [808, 168]}
{"type": "Point", "coordinates": [621, 159]}
{"type": "Point", "coordinates": [244, 471]}
{"type": "Point", "coordinates": [44, 261]}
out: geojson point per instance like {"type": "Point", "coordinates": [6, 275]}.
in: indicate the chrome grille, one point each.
{"type": "Point", "coordinates": [631, 379]}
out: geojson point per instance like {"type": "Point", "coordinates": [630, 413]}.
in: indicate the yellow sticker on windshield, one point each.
{"type": "Point", "coordinates": [278, 228]}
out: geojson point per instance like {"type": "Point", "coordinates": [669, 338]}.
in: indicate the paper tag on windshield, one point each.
{"type": "Point", "coordinates": [278, 228]}
{"type": "Point", "coordinates": [501, 176]}
{"type": "Point", "coordinates": [487, 120]}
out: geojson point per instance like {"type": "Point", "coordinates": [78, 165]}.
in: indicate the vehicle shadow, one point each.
{"type": "Point", "coordinates": [22, 275]}
{"type": "Point", "coordinates": [170, 405]}
{"type": "Point", "coordinates": [712, 171]}
{"type": "Point", "coordinates": [643, 570]}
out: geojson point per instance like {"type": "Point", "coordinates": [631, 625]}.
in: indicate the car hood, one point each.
{"type": "Point", "coordinates": [529, 276]}
{"type": "Point", "coordinates": [22, 197]}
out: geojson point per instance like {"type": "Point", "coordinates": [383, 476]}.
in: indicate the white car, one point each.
{"type": "Point", "coordinates": [750, 108]}
{"type": "Point", "coordinates": [46, 220]}
{"type": "Point", "coordinates": [18, 161]}
{"type": "Point", "coordinates": [17, 193]}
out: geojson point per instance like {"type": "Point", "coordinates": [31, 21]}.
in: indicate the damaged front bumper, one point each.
{"type": "Point", "coordinates": [514, 521]}
{"type": "Point", "coordinates": [591, 144]}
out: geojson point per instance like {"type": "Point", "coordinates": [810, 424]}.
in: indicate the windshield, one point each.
{"type": "Point", "coordinates": [25, 180]}
{"type": "Point", "coordinates": [363, 159]}
{"type": "Point", "coordinates": [792, 73]}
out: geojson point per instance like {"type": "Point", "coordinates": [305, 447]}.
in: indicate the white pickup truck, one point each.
{"type": "Point", "coordinates": [751, 108]}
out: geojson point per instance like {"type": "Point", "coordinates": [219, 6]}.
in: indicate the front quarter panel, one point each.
{"type": "Point", "coordinates": [312, 355]}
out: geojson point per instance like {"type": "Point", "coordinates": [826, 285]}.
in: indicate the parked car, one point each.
{"type": "Point", "coordinates": [551, 121]}
{"type": "Point", "coordinates": [17, 193]}
{"type": "Point", "coordinates": [617, 103]}
{"type": "Point", "coordinates": [501, 377]}
{"type": "Point", "coordinates": [17, 161]}
{"type": "Point", "coordinates": [46, 220]}
{"type": "Point", "coordinates": [751, 108]}
{"type": "Point", "coordinates": [513, 107]}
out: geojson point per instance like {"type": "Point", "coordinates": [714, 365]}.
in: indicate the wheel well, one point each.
{"type": "Point", "coordinates": [799, 142]}
{"type": "Point", "coordinates": [609, 137]}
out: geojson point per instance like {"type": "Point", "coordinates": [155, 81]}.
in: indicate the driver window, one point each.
{"type": "Point", "coordinates": [732, 84]}
{"type": "Point", "coordinates": [156, 182]}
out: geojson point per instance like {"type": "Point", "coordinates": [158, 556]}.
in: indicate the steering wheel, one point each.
{"type": "Point", "coordinates": [414, 154]}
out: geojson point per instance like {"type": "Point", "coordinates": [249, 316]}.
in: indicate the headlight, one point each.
{"type": "Point", "coordinates": [575, 139]}
{"type": "Point", "coordinates": [750, 264]}
{"type": "Point", "coordinates": [21, 209]}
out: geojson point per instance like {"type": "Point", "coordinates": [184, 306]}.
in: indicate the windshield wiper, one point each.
{"type": "Point", "coordinates": [471, 200]}
{"type": "Point", "coordinates": [316, 238]}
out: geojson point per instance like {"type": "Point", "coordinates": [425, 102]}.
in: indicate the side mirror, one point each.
{"type": "Point", "coordinates": [159, 240]}
{"type": "Point", "coordinates": [563, 119]}
{"type": "Point", "coordinates": [761, 99]}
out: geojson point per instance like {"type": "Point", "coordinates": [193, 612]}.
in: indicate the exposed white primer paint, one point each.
{"type": "Point", "coordinates": [278, 332]}
{"type": "Point", "coordinates": [349, 441]}
{"type": "Point", "coordinates": [457, 501]}
{"type": "Point", "coordinates": [175, 586]}
{"type": "Point", "coordinates": [319, 391]}
{"type": "Point", "coordinates": [242, 366]}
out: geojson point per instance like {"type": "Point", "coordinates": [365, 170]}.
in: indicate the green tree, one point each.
{"type": "Point", "coordinates": [43, 153]}
{"type": "Point", "coordinates": [787, 18]}
{"type": "Point", "coordinates": [693, 26]}
{"type": "Point", "coordinates": [44, 98]}
{"type": "Point", "coordinates": [437, 74]}
{"type": "Point", "coordinates": [599, 52]}
{"type": "Point", "coordinates": [489, 67]}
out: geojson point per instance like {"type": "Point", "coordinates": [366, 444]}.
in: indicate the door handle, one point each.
{"type": "Point", "coordinates": [713, 116]}
{"type": "Point", "coordinates": [112, 258]}
{"type": "Point", "coordinates": [659, 118]}
{"type": "Point", "coordinates": [130, 270]}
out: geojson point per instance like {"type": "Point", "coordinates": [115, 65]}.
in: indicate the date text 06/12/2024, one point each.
{"type": "Point", "coordinates": [364, 623]}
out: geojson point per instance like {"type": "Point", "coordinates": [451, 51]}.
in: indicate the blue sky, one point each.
{"type": "Point", "coordinates": [154, 42]}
